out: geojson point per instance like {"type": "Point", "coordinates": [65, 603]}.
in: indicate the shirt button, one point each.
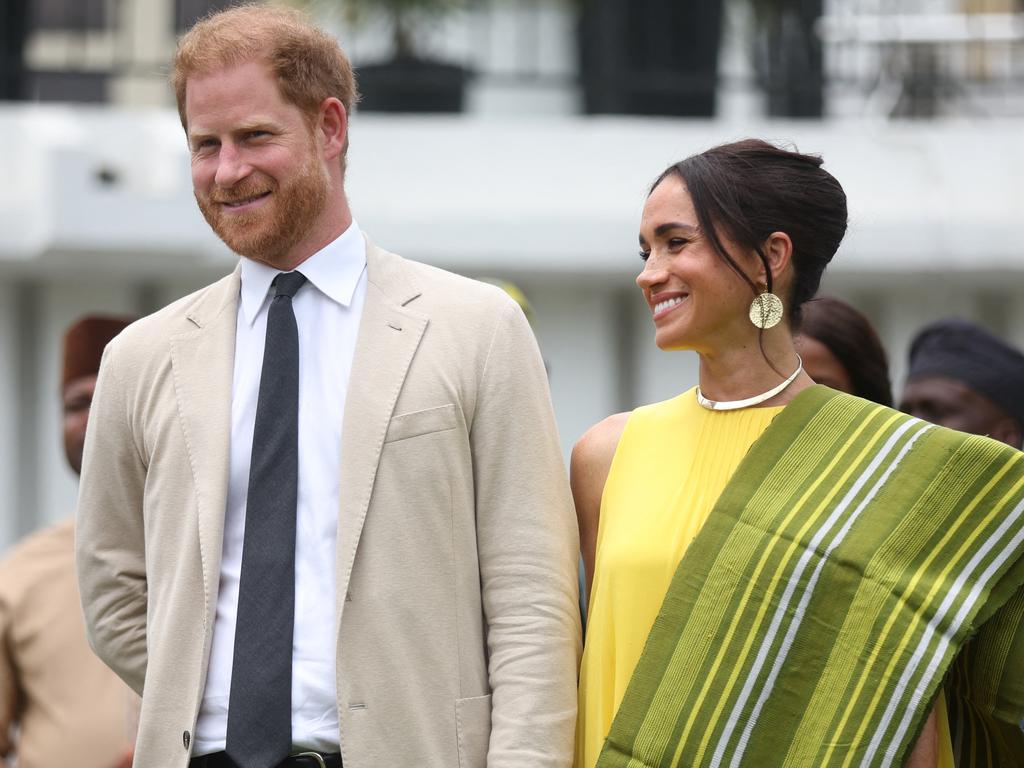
{"type": "Point", "coordinates": [186, 739]}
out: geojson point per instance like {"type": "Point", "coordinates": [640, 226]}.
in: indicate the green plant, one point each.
{"type": "Point", "coordinates": [772, 9]}
{"type": "Point", "coordinates": [404, 16]}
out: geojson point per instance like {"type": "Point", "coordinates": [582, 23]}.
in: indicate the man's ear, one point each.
{"type": "Point", "coordinates": [332, 127]}
{"type": "Point", "coordinates": [1009, 431]}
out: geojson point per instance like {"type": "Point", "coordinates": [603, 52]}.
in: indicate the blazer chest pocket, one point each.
{"type": "Point", "coordinates": [416, 423]}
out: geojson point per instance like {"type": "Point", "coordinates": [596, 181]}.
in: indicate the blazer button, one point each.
{"type": "Point", "coordinates": [186, 739]}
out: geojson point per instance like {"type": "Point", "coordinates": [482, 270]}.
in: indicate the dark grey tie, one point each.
{"type": "Point", "coordinates": [259, 733]}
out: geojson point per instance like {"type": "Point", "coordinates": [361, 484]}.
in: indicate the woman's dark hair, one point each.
{"type": "Point", "coordinates": [749, 189]}
{"type": "Point", "coordinates": [852, 339]}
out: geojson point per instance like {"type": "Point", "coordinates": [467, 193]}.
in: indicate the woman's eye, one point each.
{"type": "Point", "coordinates": [677, 242]}
{"type": "Point", "coordinates": [645, 255]}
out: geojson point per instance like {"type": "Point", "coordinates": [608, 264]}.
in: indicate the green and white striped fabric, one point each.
{"type": "Point", "coordinates": [813, 619]}
{"type": "Point", "coordinates": [984, 691]}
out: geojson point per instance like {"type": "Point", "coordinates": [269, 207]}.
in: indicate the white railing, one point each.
{"type": "Point", "coordinates": [925, 64]}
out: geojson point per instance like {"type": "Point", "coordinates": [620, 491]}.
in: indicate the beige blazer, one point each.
{"type": "Point", "coordinates": [458, 629]}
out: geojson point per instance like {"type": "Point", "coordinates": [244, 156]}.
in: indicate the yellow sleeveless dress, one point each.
{"type": "Point", "coordinates": [673, 460]}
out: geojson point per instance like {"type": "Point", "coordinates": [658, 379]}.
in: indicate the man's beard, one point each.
{"type": "Point", "coordinates": [269, 232]}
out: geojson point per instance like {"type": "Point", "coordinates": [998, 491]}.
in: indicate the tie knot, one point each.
{"type": "Point", "coordinates": [288, 283]}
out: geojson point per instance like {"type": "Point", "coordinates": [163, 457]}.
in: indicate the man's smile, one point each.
{"type": "Point", "coordinates": [244, 203]}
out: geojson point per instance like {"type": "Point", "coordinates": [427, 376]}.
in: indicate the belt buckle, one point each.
{"type": "Point", "coordinates": [315, 755]}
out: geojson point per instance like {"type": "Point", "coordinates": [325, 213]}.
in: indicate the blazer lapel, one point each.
{"type": "Point", "coordinates": [389, 333]}
{"type": "Point", "coordinates": [202, 359]}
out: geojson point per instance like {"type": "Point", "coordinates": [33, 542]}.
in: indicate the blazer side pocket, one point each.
{"type": "Point", "coordinates": [416, 423]}
{"type": "Point", "coordinates": [473, 726]}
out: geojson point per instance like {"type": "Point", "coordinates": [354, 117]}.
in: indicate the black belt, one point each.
{"type": "Point", "coordinates": [301, 760]}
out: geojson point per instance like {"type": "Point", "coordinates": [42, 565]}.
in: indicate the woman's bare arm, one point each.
{"type": "Point", "coordinates": [591, 459]}
{"type": "Point", "coordinates": [926, 751]}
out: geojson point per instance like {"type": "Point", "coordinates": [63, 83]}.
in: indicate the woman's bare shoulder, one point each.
{"type": "Point", "coordinates": [592, 455]}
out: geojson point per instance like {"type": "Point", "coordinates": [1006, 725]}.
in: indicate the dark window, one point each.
{"type": "Point", "coordinates": [188, 12]}
{"type": "Point", "coordinates": [68, 14]}
{"type": "Point", "coordinates": [66, 86]}
{"type": "Point", "coordinates": [659, 57]}
{"type": "Point", "coordinates": [13, 23]}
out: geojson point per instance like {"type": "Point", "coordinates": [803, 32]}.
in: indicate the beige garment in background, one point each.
{"type": "Point", "coordinates": [70, 709]}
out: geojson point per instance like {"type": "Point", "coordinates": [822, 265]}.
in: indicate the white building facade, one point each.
{"type": "Point", "coordinates": [97, 214]}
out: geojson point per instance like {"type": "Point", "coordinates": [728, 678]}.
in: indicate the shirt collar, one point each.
{"type": "Point", "coordinates": [335, 271]}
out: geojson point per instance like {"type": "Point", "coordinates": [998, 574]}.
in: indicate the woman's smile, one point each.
{"type": "Point", "coordinates": [666, 305]}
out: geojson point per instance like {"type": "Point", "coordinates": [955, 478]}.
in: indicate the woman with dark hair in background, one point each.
{"type": "Point", "coordinates": [841, 349]}
{"type": "Point", "coordinates": [779, 573]}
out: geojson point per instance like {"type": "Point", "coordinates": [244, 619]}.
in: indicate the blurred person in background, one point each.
{"type": "Point", "coordinates": [780, 573]}
{"type": "Point", "coordinates": [515, 293]}
{"type": "Point", "coordinates": [964, 377]}
{"type": "Point", "coordinates": [840, 349]}
{"type": "Point", "coordinates": [324, 507]}
{"type": "Point", "coordinates": [59, 704]}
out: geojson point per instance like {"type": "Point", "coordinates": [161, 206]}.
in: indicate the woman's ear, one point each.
{"type": "Point", "coordinates": [778, 249]}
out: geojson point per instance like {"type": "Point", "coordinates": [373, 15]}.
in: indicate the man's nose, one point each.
{"type": "Point", "coordinates": [231, 166]}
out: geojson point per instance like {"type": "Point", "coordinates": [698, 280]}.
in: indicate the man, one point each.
{"type": "Point", "coordinates": [332, 521]}
{"type": "Point", "coordinates": [59, 705]}
{"type": "Point", "coordinates": [965, 378]}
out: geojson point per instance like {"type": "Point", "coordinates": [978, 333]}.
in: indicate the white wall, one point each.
{"type": "Point", "coordinates": [11, 402]}
{"type": "Point", "coordinates": [59, 304]}
{"type": "Point", "coordinates": [576, 334]}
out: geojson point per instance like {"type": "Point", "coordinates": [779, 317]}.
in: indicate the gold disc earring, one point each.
{"type": "Point", "coordinates": [766, 310]}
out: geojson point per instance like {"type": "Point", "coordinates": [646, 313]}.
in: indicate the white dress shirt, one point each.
{"type": "Point", "coordinates": [327, 311]}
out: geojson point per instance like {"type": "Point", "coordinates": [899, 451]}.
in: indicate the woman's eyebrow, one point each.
{"type": "Point", "coordinates": [661, 229]}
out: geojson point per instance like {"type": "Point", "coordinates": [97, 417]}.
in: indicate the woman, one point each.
{"type": "Point", "coordinates": [773, 566]}
{"type": "Point", "coordinates": [841, 350]}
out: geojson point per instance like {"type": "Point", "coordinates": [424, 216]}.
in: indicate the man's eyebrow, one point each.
{"type": "Point", "coordinates": [254, 125]}
{"type": "Point", "coordinates": [194, 136]}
